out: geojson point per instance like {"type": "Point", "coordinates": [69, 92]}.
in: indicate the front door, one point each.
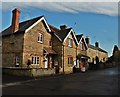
{"type": "Point", "coordinates": [46, 62]}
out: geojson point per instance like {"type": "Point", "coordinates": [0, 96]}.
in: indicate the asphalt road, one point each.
{"type": "Point", "coordinates": [100, 82]}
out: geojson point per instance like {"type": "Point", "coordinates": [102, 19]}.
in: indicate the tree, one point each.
{"type": "Point", "coordinates": [116, 54]}
{"type": "Point", "coordinates": [115, 49]}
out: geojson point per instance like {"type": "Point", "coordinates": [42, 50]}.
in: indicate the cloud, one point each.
{"type": "Point", "coordinates": [60, 0]}
{"type": "Point", "coordinates": [106, 8]}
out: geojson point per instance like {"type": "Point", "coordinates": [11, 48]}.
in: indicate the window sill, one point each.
{"type": "Point", "coordinates": [35, 64]}
{"type": "Point", "coordinates": [69, 46]}
{"type": "Point", "coordinates": [70, 65]}
{"type": "Point", "coordinates": [40, 42]}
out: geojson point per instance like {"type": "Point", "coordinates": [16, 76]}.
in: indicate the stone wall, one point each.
{"type": "Point", "coordinates": [92, 53]}
{"type": "Point", "coordinates": [29, 72]}
{"type": "Point", "coordinates": [57, 46]}
{"type": "Point", "coordinates": [31, 45]}
{"type": "Point", "coordinates": [103, 57]}
{"type": "Point", "coordinates": [69, 52]}
{"type": "Point", "coordinates": [12, 45]}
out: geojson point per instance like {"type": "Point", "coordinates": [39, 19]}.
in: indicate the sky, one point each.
{"type": "Point", "coordinates": [98, 20]}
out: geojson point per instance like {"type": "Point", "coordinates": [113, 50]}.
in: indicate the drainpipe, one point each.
{"type": "Point", "coordinates": [76, 55]}
{"type": "Point", "coordinates": [63, 58]}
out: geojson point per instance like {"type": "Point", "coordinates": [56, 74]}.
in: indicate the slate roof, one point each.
{"type": "Point", "coordinates": [63, 33]}
{"type": "Point", "coordinates": [53, 29]}
{"type": "Point", "coordinates": [60, 33]}
{"type": "Point", "coordinates": [22, 26]}
{"type": "Point", "coordinates": [96, 48]}
{"type": "Point", "coordinates": [79, 37]}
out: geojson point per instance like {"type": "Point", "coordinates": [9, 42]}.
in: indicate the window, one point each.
{"type": "Point", "coordinates": [50, 43]}
{"type": "Point", "coordinates": [40, 37]}
{"type": "Point", "coordinates": [81, 45]}
{"type": "Point", "coordinates": [69, 42]}
{"type": "Point", "coordinates": [70, 60]}
{"type": "Point", "coordinates": [17, 61]}
{"type": "Point", "coordinates": [35, 60]}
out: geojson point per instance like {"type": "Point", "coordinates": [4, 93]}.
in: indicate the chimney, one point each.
{"type": "Point", "coordinates": [63, 27]}
{"type": "Point", "coordinates": [15, 19]}
{"type": "Point", "coordinates": [87, 39]}
{"type": "Point", "coordinates": [96, 44]}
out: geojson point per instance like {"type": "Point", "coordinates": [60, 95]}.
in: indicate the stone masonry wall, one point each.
{"type": "Point", "coordinates": [12, 45]}
{"type": "Point", "coordinates": [31, 45]}
{"type": "Point", "coordinates": [69, 52]}
{"type": "Point", "coordinates": [92, 53]}
{"type": "Point", "coordinates": [57, 46]}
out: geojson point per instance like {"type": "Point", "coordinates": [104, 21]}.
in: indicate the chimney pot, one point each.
{"type": "Point", "coordinates": [96, 44]}
{"type": "Point", "coordinates": [87, 39]}
{"type": "Point", "coordinates": [15, 19]}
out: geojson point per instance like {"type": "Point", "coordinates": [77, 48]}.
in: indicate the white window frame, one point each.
{"type": "Point", "coordinates": [40, 37]}
{"type": "Point", "coordinates": [70, 42]}
{"type": "Point", "coordinates": [35, 60]}
{"type": "Point", "coordinates": [70, 59]}
{"type": "Point", "coordinates": [81, 46]}
{"type": "Point", "coordinates": [17, 60]}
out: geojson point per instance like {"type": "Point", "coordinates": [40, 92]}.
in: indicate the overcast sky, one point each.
{"type": "Point", "coordinates": [99, 20]}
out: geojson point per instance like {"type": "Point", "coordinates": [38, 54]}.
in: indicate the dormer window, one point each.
{"type": "Point", "coordinates": [70, 42]}
{"type": "Point", "coordinates": [40, 38]}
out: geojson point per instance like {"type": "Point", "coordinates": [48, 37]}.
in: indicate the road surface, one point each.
{"type": "Point", "coordinates": [99, 82]}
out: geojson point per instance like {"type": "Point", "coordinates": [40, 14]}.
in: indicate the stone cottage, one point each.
{"type": "Point", "coordinates": [94, 51]}
{"type": "Point", "coordinates": [67, 45]}
{"type": "Point", "coordinates": [28, 40]}
{"type": "Point", "coordinates": [40, 44]}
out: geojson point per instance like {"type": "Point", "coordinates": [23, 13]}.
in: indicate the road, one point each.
{"type": "Point", "coordinates": [100, 82]}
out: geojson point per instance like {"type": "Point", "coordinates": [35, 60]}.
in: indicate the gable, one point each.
{"type": "Point", "coordinates": [82, 40]}
{"type": "Point", "coordinates": [71, 34]}
{"type": "Point", "coordinates": [44, 22]}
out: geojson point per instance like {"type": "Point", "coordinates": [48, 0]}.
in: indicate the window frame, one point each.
{"type": "Point", "coordinates": [35, 60]}
{"type": "Point", "coordinates": [70, 42]}
{"type": "Point", "coordinates": [50, 43]}
{"type": "Point", "coordinates": [17, 60]}
{"type": "Point", "coordinates": [70, 60]}
{"type": "Point", "coordinates": [80, 44]}
{"type": "Point", "coordinates": [40, 38]}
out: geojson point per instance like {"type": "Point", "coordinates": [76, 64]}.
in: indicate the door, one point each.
{"type": "Point", "coordinates": [46, 62]}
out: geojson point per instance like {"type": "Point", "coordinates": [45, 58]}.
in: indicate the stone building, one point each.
{"type": "Point", "coordinates": [36, 43]}
{"type": "Point", "coordinates": [82, 57]}
{"type": "Point", "coordinates": [40, 44]}
{"type": "Point", "coordinates": [94, 51]}
{"type": "Point", "coordinates": [28, 40]}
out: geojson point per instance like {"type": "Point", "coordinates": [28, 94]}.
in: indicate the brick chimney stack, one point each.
{"type": "Point", "coordinates": [15, 20]}
{"type": "Point", "coordinates": [87, 39]}
{"type": "Point", "coordinates": [96, 44]}
{"type": "Point", "coordinates": [63, 27]}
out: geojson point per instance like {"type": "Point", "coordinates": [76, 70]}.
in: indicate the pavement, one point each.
{"type": "Point", "coordinates": [100, 82]}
